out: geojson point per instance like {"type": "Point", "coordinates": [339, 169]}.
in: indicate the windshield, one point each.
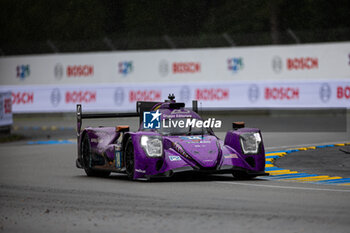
{"type": "Point", "coordinates": [181, 126]}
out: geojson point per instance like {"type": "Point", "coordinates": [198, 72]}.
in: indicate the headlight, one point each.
{"type": "Point", "coordinates": [250, 142]}
{"type": "Point", "coordinates": [152, 145]}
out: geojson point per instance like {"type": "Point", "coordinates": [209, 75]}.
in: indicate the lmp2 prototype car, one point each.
{"type": "Point", "coordinates": [163, 150]}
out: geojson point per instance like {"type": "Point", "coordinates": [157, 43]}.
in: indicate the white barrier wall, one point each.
{"type": "Point", "coordinates": [315, 75]}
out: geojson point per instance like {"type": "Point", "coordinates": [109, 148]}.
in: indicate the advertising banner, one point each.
{"type": "Point", "coordinates": [326, 61]}
{"type": "Point", "coordinates": [290, 76]}
{"type": "Point", "coordinates": [121, 98]}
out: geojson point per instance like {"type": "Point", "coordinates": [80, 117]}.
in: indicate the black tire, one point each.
{"type": "Point", "coordinates": [240, 175]}
{"type": "Point", "coordinates": [129, 159]}
{"type": "Point", "coordinates": [87, 160]}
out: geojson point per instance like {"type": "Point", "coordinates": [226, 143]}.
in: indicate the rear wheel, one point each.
{"type": "Point", "coordinates": [87, 159]}
{"type": "Point", "coordinates": [242, 175]}
{"type": "Point", "coordinates": [129, 159]}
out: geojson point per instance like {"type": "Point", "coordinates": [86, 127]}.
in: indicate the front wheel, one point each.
{"type": "Point", "coordinates": [87, 159]}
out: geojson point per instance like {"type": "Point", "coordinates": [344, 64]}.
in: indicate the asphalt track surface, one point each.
{"type": "Point", "coordinates": [42, 191]}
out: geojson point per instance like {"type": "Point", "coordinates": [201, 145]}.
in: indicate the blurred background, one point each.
{"type": "Point", "coordinates": [41, 26]}
{"type": "Point", "coordinates": [279, 65]}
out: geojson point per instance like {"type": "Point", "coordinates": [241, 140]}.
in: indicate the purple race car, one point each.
{"type": "Point", "coordinates": [170, 139]}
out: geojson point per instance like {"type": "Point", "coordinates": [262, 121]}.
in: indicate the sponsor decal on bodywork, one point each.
{"type": "Point", "coordinates": [118, 156]}
{"type": "Point", "coordinates": [194, 139]}
{"type": "Point", "coordinates": [230, 156]}
{"type": "Point", "coordinates": [174, 158]}
{"type": "Point", "coordinates": [178, 148]}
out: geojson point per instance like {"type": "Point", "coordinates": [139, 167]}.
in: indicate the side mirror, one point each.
{"type": "Point", "coordinates": [122, 128]}
{"type": "Point", "coordinates": [238, 125]}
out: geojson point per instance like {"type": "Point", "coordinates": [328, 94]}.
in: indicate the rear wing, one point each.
{"type": "Point", "coordinates": [81, 116]}
{"type": "Point", "coordinates": [141, 107]}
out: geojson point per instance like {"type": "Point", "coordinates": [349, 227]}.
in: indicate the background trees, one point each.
{"type": "Point", "coordinates": [23, 21]}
